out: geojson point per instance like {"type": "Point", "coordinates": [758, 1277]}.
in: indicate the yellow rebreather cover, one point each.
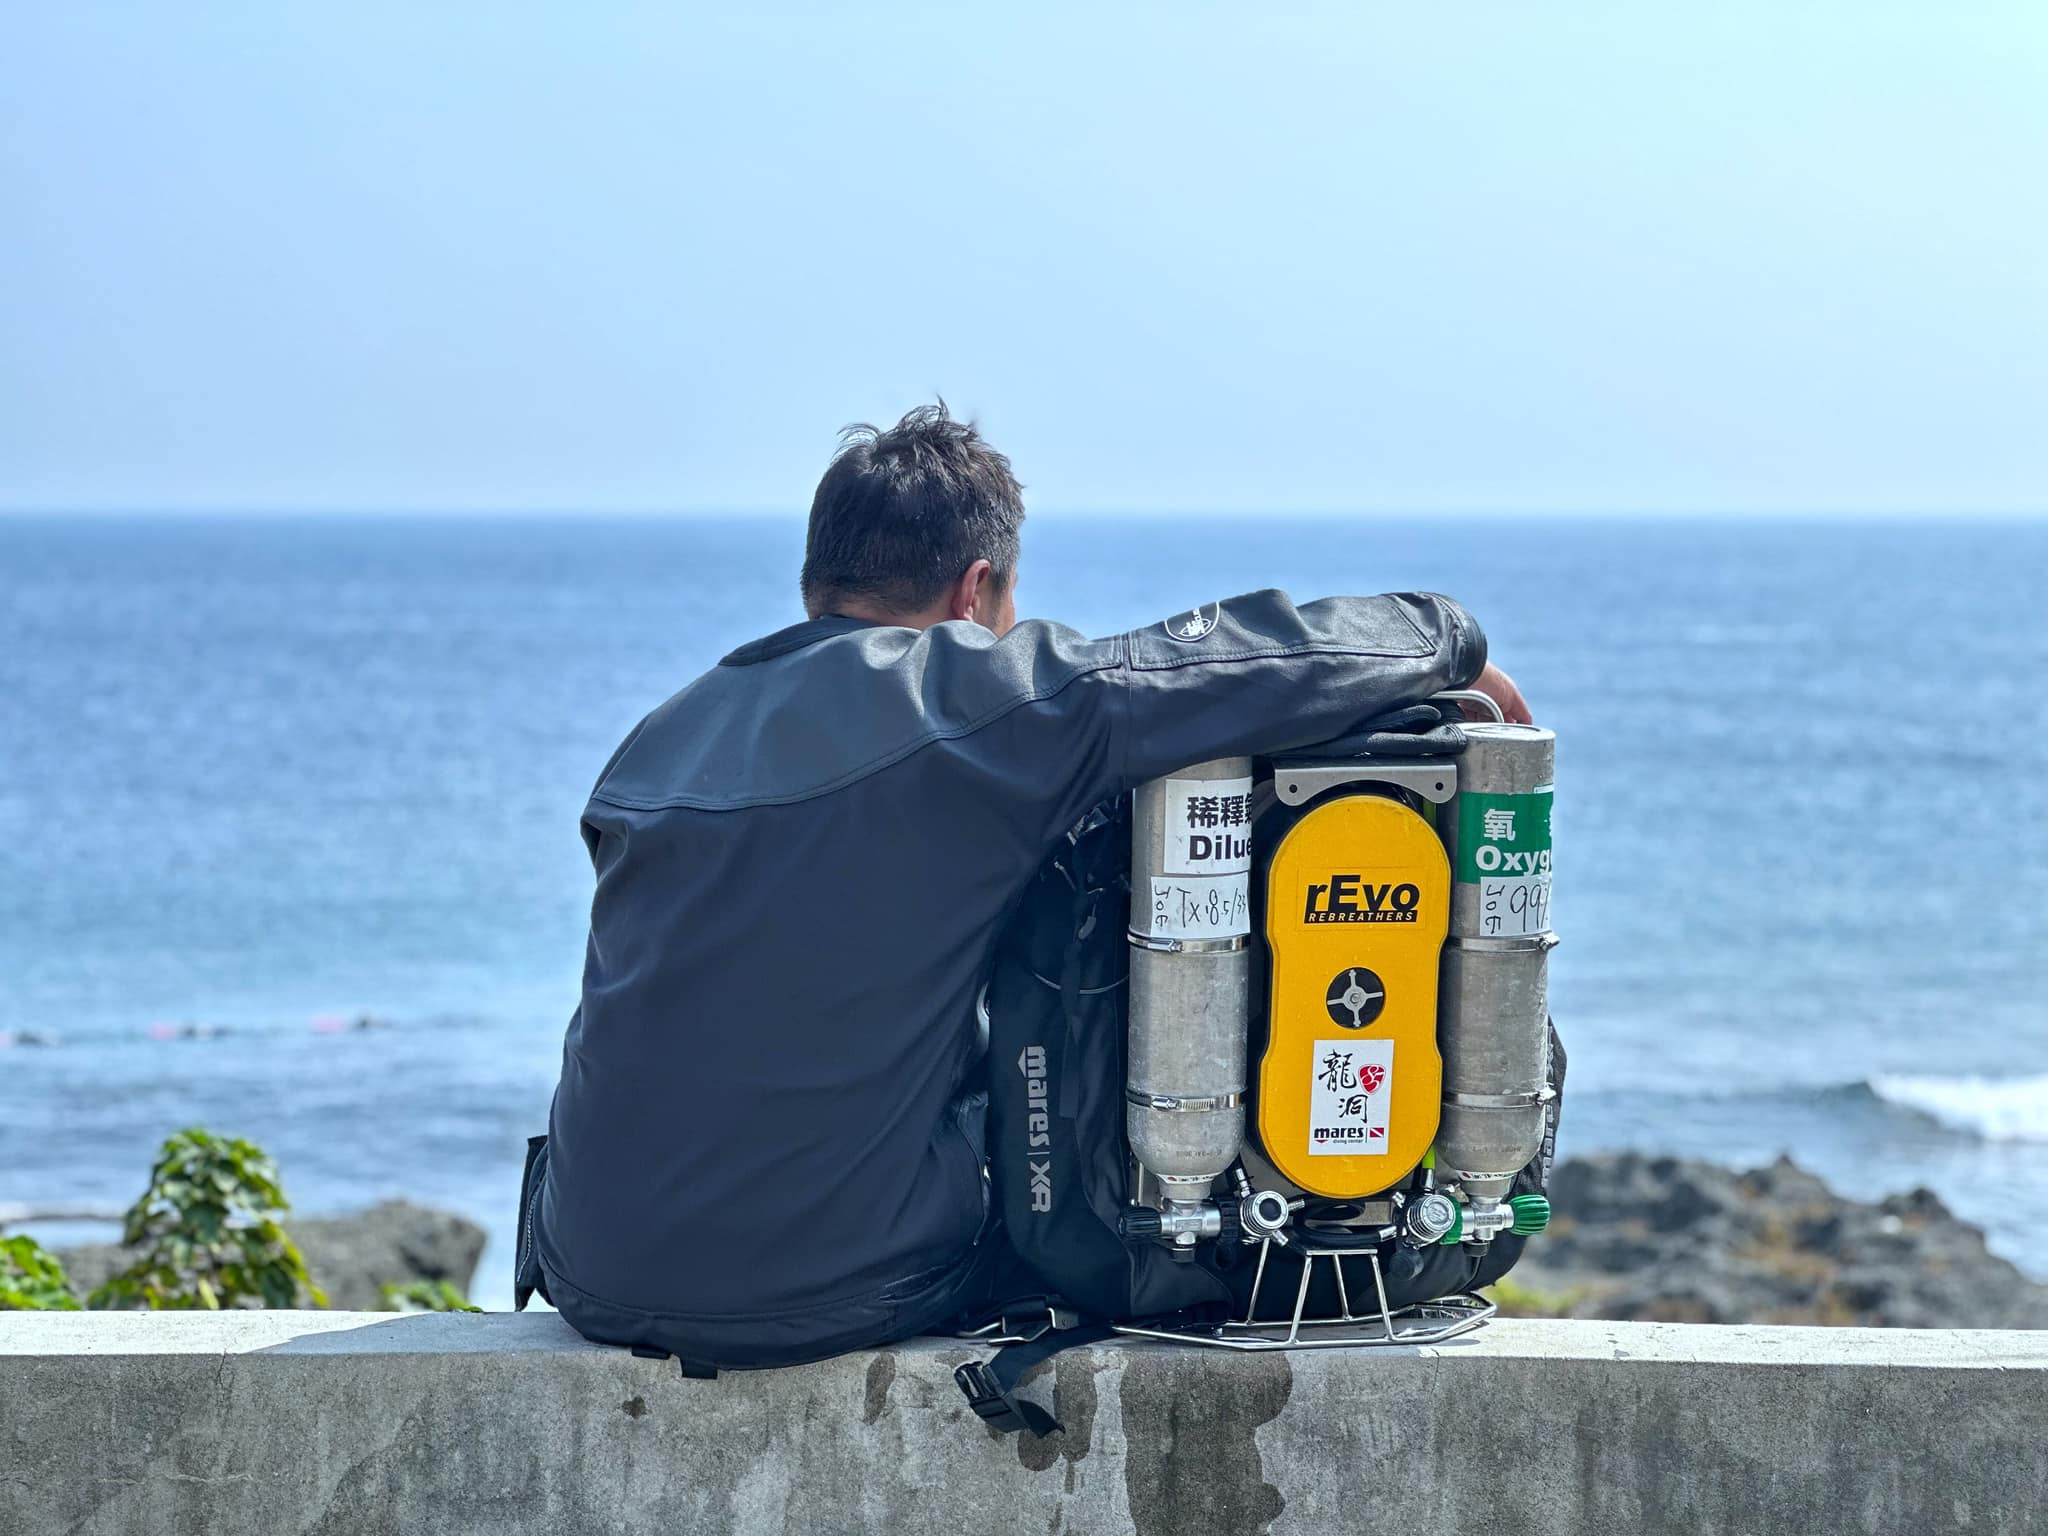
{"type": "Point", "coordinates": [1357, 906]}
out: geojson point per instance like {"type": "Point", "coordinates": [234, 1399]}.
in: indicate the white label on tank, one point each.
{"type": "Point", "coordinates": [1351, 1089]}
{"type": "Point", "coordinates": [1208, 826]}
{"type": "Point", "coordinates": [1199, 906]}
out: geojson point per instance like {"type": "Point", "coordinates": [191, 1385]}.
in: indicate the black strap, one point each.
{"type": "Point", "coordinates": [1418, 730]}
{"type": "Point", "coordinates": [695, 1370]}
{"type": "Point", "coordinates": [1084, 919]}
{"type": "Point", "coordinates": [990, 1386]}
{"type": "Point", "coordinates": [1551, 1111]}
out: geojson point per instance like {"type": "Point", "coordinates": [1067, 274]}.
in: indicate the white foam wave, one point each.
{"type": "Point", "coordinates": [1995, 1108]}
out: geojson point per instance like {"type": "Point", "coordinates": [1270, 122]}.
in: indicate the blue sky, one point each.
{"type": "Point", "coordinates": [1491, 256]}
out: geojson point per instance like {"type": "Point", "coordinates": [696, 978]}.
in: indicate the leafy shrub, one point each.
{"type": "Point", "coordinates": [425, 1296]}
{"type": "Point", "coordinates": [32, 1279]}
{"type": "Point", "coordinates": [205, 1233]}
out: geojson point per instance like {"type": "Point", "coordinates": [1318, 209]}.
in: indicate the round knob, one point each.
{"type": "Point", "coordinates": [1532, 1214]}
{"type": "Point", "coordinates": [1431, 1217]}
{"type": "Point", "coordinates": [1265, 1214]}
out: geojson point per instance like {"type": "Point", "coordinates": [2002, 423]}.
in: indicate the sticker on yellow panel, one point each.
{"type": "Point", "coordinates": [1357, 904]}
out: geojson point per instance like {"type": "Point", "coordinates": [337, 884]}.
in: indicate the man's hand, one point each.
{"type": "Point", "coordinates": [1500, 688]}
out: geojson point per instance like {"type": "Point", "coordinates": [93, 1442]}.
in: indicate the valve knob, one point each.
{"type": "Point", "coordinates": [1532, 1214]}
{"type": "Point", "coordinates": [1431, 1217]}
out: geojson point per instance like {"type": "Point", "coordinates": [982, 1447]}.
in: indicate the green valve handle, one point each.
{"type": "Point", "coordinates": [1532, 1214]}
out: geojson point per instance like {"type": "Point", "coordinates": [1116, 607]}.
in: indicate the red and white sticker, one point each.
{"type": "Point", "coordinates": [1350, 1094]}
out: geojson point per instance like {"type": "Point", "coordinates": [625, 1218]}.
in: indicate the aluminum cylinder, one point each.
{"type": "Point", "coordinates": [1493, 1021]}
{"type": "Point", "coordinates": [1190, 973]}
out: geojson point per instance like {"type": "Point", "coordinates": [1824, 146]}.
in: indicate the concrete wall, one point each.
{"type": "Point", "coordinates": [296, 1422]}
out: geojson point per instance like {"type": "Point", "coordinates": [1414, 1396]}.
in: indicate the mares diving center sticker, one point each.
{"type": "Point", "coordinates": [1203, 889]}
{"type": "Point", "coordinates": [1504, 849]}
{"type": "Point", "coordinates": [1349, 1095]}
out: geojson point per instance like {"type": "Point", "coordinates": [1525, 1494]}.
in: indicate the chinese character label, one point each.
{"type": "Point", "coordinates": [1204, 890]}
{"type": "Point", "coordinates": [1504, 849]}
{"type": "Point", "coordinates": [1350, 1097]}
{"type": "Point", "coordinates": [1208, 826]}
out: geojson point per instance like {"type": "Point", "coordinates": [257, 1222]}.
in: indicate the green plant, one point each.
{"type": "Point", "coordinates": [32, 1279]}
{"type": "Point", "coordinates": [205, 1233]}
{"type": "Point", "coordinates": [425, 1296]}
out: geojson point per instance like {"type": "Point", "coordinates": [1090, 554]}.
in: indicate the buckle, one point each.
{"type": "Point", "coordinates": [985, 1396]}
{"type": "Point", "coordinates": [1024, 1327]}
{"type": "Point", "coordinates": [1027, 1327]}
{"type": "Point", "coordinates": [997, 1408]}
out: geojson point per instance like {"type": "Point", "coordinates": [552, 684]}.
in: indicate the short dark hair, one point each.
{"type": "Point", "coordinates": [900, 514]}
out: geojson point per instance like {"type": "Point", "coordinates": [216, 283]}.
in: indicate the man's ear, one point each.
{"type": "Point", "coordinates": [975, 592]}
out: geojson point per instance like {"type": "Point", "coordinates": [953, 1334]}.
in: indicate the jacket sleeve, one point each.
{"type": "Point", "coordinates": [1250, 676]}
{"type": "Point", "coordinates": [1256, 675]}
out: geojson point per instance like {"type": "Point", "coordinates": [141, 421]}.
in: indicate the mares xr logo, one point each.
{"type": "Point", "coordinates": [1353, 899]}
{"type": "Point", "coordinates": [1037, 1126]}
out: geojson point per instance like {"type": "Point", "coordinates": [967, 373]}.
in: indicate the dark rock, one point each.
{"type": "Point", "coordinates": [350, 1257]}
{"type": "Point", "coordinates": [392, 1243]}
{"type": "Point", "coordinates": [1672, 1239]}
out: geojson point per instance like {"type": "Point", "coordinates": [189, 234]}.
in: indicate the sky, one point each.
{"type": "Point", "coordinates": [1495, 256]}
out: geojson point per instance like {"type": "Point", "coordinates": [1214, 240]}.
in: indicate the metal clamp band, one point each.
{"type": "Point", "coordinates": [1180, 1104]}
{"type": "Point", "coordinates": [1501, 1100]}
{"type": "Point", "coordinates": [1187, 946]}
{"type": "Point", "coordinates": [1541, 943]}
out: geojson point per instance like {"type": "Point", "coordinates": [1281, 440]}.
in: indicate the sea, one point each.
{"type": "Point", "coordinates": [266, 779]}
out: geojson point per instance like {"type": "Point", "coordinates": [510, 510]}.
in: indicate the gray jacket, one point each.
{"type": "Point", "coordinates": [763, 1147]}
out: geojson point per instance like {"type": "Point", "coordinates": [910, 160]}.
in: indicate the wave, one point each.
{"type": "Point", "coordinates": [2005, 1109]}
{"type": "Point", "coordinates": [1992, 1108]}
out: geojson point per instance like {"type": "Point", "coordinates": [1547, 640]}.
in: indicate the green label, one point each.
{"type": "Point", "coordinates": [1504, 837]}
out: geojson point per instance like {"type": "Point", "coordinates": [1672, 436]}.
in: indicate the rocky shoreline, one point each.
{"type": "Point", "coordinates": [1670, 1239]}
{"type": "Point", "coordinates": [352, 1258]}
{"type": "Point", "coordinates": [1634, 1237]}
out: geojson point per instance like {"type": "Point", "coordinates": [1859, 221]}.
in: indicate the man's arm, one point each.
{"type": "Point", "coordinates": [1258, 675]}
{"type": "Point", "coordinates": [1253, 675]}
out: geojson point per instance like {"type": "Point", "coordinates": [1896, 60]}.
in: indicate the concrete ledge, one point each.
{"type": "Point", "coordinates": [278, 1422]}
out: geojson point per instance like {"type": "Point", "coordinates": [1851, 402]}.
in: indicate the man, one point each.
{"type": "Point", "coordinates": [766, 1145]}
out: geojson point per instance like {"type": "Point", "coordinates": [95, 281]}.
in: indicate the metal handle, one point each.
{"type": "Point", "coordinates": [1473, 696]}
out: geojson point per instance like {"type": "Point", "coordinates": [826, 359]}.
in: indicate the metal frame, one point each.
{"type": "Point", "coordinates": [1435, 780]}
{"type": "Point", "coordinates": [1425, 1322]}
{"type": "Point", "coordinates": [1428, 1322]}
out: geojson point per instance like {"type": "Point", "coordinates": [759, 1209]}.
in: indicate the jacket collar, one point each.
{"type": "Point", "coordinates": [795, 638]}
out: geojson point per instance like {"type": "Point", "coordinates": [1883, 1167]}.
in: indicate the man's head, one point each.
{"type": "Point", "coordinates": [915, 525]}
